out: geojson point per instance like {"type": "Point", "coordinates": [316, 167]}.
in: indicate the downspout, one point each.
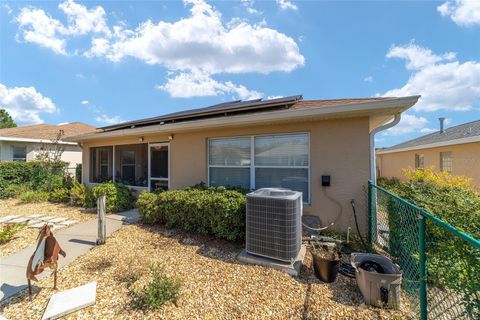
{"type": "Point", "coordinates": [373, 169]}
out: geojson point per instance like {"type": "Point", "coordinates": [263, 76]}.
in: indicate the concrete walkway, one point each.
{"type": "Point", "coordinates": [75, 241]}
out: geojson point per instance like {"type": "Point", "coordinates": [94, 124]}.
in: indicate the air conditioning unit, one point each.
{"type": "Point", "coordinates": [274, 223]}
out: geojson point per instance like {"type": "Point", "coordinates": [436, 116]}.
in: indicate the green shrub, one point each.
{"type": "Point", "coordinates": [147, 204]}
{"type": "Point", "coordinates": [61, 195]}
{"type": "Point", "coordinates": [82, 196]}
{"type": "Point", "coordinates": [16, 190]}
{"type": "Point", "coordinates": [451, 262]}
{"type": "Point", "coordinates": [8, 232]}
{"type": "Point", "coordinates": [34, 196]}
{"type": "Point", "coordinates": [214, 211]}
{"type": "Point", "coordinates": [118, 196]}
{"type": "Point", "coordinates": [157, 292]}
{"type": "Point", "coordinates": [46, 176]}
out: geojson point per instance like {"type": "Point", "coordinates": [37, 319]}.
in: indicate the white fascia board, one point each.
{"type": "Point", "coordinates": [14, 139]}
{"type": "Point", "coordinates": [387, 106]}
{"type": "Point", "coordinates": [433, 145]}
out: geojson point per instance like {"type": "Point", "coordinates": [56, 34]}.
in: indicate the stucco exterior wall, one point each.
{"type": "Point", "coordinates": [339, 148]}
{"type": "Point", "coordinates": [71, 153]}
{"type": "Point", "coordinates": [465, 161]}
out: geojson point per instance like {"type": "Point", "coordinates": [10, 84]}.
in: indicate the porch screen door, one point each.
{"type": "Point", "coordinates": [158, 166]}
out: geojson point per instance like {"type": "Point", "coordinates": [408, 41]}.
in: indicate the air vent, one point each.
{"type": "Point", "coordinates": [273, 226]}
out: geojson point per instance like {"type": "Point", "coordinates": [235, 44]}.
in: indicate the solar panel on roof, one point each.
{"type": "Point", "coordinates": [231, 106]}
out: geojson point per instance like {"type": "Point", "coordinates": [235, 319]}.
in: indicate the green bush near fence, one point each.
{"type": "Point", "coordinates": [82, 196]}
{"type": "Point", "coordinates": [118, 196]}
{"type": "Point", "coordinates": [214, 211]}
{"type": "Point", "coordinates": [452, 262]}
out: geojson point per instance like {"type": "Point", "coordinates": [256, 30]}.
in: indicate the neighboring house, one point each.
{"type": "Point", "coordinates": [24, 143]}
{"type": "Point", "coordinates": [456, 150]}
{"type": "Point", "coordinates": [287, 142]}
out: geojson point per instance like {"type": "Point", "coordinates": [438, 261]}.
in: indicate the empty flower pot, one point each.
{"type": "Point", "coordinates": [325, 268]}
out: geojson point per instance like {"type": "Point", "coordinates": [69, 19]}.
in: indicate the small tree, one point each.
{"type": "Point", "coordinates": [6, 120]}
{"type": "Point", "coordinates": [49, 155]}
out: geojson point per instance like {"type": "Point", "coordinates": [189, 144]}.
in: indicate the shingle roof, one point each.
{"type": "Point", "coordinates": [466, 130]}
{"type": "Point", "coordinates": [47, 131]}
{"type": "Point", "coordinates": [238, 106]}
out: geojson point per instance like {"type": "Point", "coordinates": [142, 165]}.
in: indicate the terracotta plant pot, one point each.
{"type": "Point", "coordinates": [326, 269]}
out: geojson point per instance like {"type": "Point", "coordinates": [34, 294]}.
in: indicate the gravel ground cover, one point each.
{"type": "Point", "coordinates": [27, 236]}
{"type": "Point", "coordinates": [213, 284]}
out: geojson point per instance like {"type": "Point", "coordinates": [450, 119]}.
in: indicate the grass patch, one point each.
{"type": "Point", "coordinates": [34, 196]}
{"type": "Point", "coordinates": [157, 292]}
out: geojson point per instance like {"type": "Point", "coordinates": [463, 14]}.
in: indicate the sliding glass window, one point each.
{"type": "Point", "coordinates": [101, 164]}
{"type": "Point", "coordinates": [261, 162]}
{"type": "Point", "coordinates": [131, 164]}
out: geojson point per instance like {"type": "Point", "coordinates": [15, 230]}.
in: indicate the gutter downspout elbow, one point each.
{"type": "Point", "coordinates": [373, 168]}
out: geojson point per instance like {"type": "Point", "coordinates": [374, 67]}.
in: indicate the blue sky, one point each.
{"type": "Point", "coordinates": [105, 62]}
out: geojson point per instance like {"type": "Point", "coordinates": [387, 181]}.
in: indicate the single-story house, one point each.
{"type": "Point", "coordinates": [286, 142]}
{"type": "Point", "coordinates": [455, 149]}
{"type": "Point", "coordinates": [24, 143]}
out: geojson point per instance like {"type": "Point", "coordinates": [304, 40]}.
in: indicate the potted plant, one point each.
{"type": "Point", "coordinates": [325, 261]}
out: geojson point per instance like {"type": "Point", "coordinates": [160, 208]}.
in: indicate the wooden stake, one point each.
{"type": "Point", "coordinates": [102, 227]}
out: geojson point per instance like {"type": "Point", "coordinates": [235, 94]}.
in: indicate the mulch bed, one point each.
{"type": "Point", "coordinates": [214, 284]}
{"type": "Point", "coordinates": [27, 236]}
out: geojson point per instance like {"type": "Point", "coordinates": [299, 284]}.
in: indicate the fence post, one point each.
{"type": "Point", "coordinates": [102, 227]}
{"type": "Point", "coordinates": [423, 267]}
{"type": "Point", "coordinates": [370, 212]}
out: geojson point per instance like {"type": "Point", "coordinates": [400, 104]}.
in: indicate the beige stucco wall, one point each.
{"type": "Point", "coordinates": [71, 154]}
{"type": "Point", "coordinates": [339, 148]}
{"type": "Point", "coordinates": [465, 161]}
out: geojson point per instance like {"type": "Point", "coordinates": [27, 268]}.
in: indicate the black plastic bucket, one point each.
{"type": "Point", "coordinates": [325, 269]}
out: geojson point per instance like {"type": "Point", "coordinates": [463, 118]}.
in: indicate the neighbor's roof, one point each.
{"type": "Point", "coordinates": [464, 133]}
{"type": "Point", "coordinates": [254, 112]}
{"type": "Point", "coordinates": [45, 131]}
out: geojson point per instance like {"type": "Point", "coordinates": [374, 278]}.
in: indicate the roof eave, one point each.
{"type": "Point", "coordinates": [387, 106]}
{"type": "Point", "coordinates": [432, 145]}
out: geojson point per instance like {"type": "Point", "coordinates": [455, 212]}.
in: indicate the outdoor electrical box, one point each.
{"type": "Point", "coordinates": [325, 181]}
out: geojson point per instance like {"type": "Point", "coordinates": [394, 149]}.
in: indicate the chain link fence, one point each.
{"type": "Point", "coordinates": [440, 264]}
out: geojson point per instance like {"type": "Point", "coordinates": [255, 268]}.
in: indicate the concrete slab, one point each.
{"type": "Point", "coordinates": [68, 301]}
{"type": "Point", "coordinates": [35, 216]}
{"type": "Point", "coordinates": [7, 218]}
{"type": "Point", "coordinates": [68, 222]}
{"type": "Point", "coordinates": [47, 218]}
{"type": "Point", "coordinates": [38, 225]}
{"type": "Point", "coordinates": [57, 220]}
{"type": "Point", "coordinates": [19, 220]}
{"type": "Point", "coordinates": [32, 222]}
{"type": "Point", "coordinates": [292, 269]}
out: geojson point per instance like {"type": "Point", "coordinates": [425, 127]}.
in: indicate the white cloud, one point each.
{"type": "Point", "coordinates": [408, 124]}
{"type": "Point", "coordinates": [82, 20]}
{"type": "Point", "coordinates": [248, 4]}
{"type": "Point", "coordinates": [38, 27]}
{"type": "Point", "coordinates": [286, 4]}
{"type": "Point", "coordinates": [80, 76]}
{"type": "Point", "coordinates": [103, 118]}
{"type": "Point", "coordinates": [465, 13]}
{"type": "Point", "coordinates": [368, 79]}
{"type": "Point", "coordinates": [198, 84]}
{"type": "Point", "coordinates": [84, 102]}
{"type": "Point", "coordinates": [25, 104]}
{"type": "Point", "coordinates": [444, 82]}
{"type": "Point", "coordinates": [418, 57]}
{"type": "Point", "coordinates": [202, 41]}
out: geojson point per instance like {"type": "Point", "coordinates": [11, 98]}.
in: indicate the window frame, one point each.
{"type": "Point", "coordinates": [442, 167]}
{"type": "Point", "coordinates": [23, 159]}
{"type": "Point", "coordinates": [419, 156]}
{"type": "Point", "coordinates": [252, 165]}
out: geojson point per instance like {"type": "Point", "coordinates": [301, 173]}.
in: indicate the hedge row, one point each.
{"type": "Point", "coordinates": [214, 211]}
{"type": "Point", "coordinates": [37, 176]}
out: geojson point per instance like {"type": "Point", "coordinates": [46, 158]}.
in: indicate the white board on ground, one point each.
{"type": "Point", "coordinates": [71, 300]}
